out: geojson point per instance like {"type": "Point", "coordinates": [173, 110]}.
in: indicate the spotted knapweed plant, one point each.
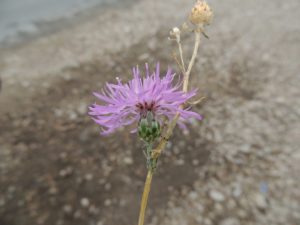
{"type": "Point", "coordinates": [152, 101]}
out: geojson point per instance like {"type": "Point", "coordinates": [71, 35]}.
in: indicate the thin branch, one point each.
{"type": "Point", "coordinates": [192, 61]}
{"type": "Point", "coordinates": [181, 55]}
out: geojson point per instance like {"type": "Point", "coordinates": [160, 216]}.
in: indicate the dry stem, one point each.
{"type": "Point", "coordinates": [192, 61]}
{"type": "Point", "coordinates": [157, 151]}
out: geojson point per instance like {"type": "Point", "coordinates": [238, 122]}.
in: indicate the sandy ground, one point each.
{"type": "Point", "coordinates": [240, 165]}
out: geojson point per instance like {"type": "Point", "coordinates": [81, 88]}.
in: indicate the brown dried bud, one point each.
{"type": "Point", "coordinates": [201, 13]}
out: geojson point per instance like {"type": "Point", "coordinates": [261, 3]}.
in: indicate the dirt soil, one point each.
{"type": "Point", "coordinates": [240, 165]}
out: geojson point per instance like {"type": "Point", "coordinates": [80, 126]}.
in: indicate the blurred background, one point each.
{"type": "Point", "coordinates": [240, 165]}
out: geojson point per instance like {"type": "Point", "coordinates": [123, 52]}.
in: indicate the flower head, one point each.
{"type": "Point", "coordinates": [127, 103]}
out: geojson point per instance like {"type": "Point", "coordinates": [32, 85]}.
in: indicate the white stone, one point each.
{"type": "Point", "coordinates": [85, 202]}
{"type": "Point", "coordinates": [216, 196]}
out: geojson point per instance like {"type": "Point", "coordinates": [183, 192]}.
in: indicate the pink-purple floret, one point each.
{"type": "Point", "coordinates": [126, 103]}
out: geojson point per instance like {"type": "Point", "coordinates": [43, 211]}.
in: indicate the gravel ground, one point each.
{"type": "Point", "coordinates": [240, 165]}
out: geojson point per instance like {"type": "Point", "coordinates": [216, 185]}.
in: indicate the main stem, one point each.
{"type": "Point", "coordinates": [145, 197]}
{"type": "Point", "coordinates": [156, 152]}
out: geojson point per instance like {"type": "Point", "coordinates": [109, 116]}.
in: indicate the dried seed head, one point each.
{"type": "Point", "coordinates": [175, 31]}
{"type": "Point", "coordinates": [201, 13]}
{"type": "Point", "coordinates": [175, 34]}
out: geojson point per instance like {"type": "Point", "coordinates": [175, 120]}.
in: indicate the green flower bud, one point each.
{"type": "Point", "coordinates": [148, 128]}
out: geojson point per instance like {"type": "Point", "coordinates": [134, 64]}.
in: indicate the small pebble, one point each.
{"type": "Point", "coordinates": [84, 202]}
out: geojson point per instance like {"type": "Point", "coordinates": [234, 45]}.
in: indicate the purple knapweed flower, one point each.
{"type": "Point", "coordinates": [126, 103]}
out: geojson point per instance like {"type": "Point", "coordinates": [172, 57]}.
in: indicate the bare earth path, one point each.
{"type": "Point", "coordinates": [239, 166]}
